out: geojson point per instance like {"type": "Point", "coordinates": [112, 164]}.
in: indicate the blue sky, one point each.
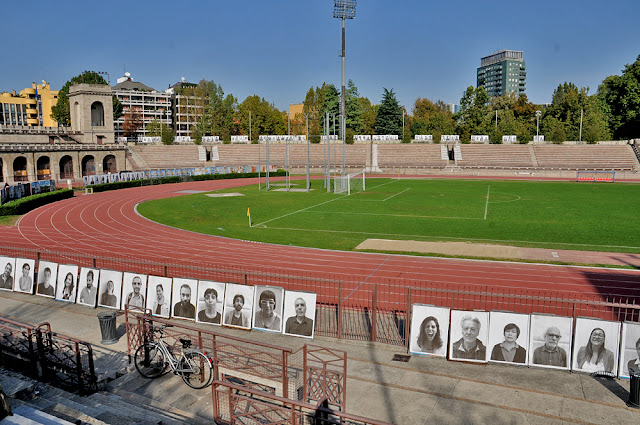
{"type": "Point", "coordinates": [277, 49]}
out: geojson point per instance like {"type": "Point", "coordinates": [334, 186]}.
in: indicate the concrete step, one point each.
{"type": "Point", "coordinates": [25, 414]}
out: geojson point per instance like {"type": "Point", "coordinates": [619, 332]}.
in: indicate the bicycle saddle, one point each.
{"type": "Point", "coordinates": [186, 343]}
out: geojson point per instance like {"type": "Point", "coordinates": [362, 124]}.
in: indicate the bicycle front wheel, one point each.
{"type": "Point", "coordinates": [149, 360]}
{"type": "Point", "coordinates": [196, 369]}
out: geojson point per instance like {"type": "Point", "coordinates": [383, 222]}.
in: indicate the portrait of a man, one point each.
{"type": "Point", "coordinates": [89, 278]}
{"type": "Point", "coordinates": [47, 276]}
{"type": "Point", "coordinates": [134, 287]}
{"type": "Point", "coordinates": [210, 302]}
{"type": "Point", "coordinates": [550, 341]}
{"type": "Point", "coordinates": [300, 311]}
{"type": "Point", "coordinates": [6, 277]}
{"type": "Point", "coordinates": [238, 305]}
{"type": "Point", "coordinates": [183, 295]}
{"type": "Point", "coordinates": [468, 331]}
{"type": "Point", "coordinates": [509, 337]}
{"type": "Point", "coordinates": [159, 296]}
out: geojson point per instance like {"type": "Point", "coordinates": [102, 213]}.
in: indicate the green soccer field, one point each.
{"type": "Point", "coordinates": [560, 215]}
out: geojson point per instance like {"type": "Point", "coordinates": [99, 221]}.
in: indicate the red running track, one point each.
{"type": "Point", "coordinates": [106, 224]}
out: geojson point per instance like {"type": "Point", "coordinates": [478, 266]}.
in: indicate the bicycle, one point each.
{"type": "Point", "coordinates": [153, 358]}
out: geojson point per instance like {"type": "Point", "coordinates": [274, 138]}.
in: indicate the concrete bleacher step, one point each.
{"type": "Point", "coordinates": [27, 415]}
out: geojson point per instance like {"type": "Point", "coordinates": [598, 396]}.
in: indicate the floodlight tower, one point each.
{"type": "Point", "coordinates": [343, 9]}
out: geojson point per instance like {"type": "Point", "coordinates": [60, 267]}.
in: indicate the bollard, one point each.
{"type": "Point", "coordinates": [108, 327]}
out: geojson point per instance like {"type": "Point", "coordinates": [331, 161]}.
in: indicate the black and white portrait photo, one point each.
{"type": "Point", "coordinates": [469, 333]}
{"type": "Point", "coordinates": [47, 277]}
{"type": "Point", "coordinates": [630, 350]}
{"type": "Point", "coordinates": [267, 315]}
{"type": "Point", "coordinates": [429, 330]}
{"type": "Point", "coordinates": [7, 267]}
{"type": "Point", "coordinates": [299, 313]}
{"type": "Point", "coordinates": [23, 279]}
{"type": "Point", "coordinates": [110, 288]}
{"type": "Point", "coordinates": [67, 283]}
{"type": "Point", "coordinates": [88, 286]}
{"type": "Point", "coordinates": [550, 341]}
{"type": "Point", "coordinates": [184, 297]}
{"type": "Point", "coordinates": [210, 302]}
{"type": "Point", "coordinates": [508, 337]}
{"type": "Point", "coordinates": [159, 296]}
{"type": "Point", "coordinates": [596, 344]}
{"type": "Point", "coordinates": [238, 305]}
{"type": "Point", "coordinates": [134, 290]}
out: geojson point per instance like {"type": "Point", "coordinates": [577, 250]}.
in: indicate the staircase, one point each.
{"type": "Point", "coordinates": [129, 399]}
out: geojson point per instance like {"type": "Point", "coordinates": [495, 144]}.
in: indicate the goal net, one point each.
{"type": "Point", "coordinates": [596, 176]}
{"type": "Point", "coordinates": [354, 182]}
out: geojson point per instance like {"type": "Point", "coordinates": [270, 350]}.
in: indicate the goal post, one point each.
{"type": "Point", "coordinates": [355, 182]}
{"type": "Point", "coordinates": [596, 176]}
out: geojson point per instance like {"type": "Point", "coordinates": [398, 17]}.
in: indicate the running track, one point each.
{"type": "Point", "coordinates": [106, 224]}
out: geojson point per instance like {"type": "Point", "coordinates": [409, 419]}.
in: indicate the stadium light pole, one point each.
{"type": "Point", "coordinates": [538, 113]}
{"type": "Point", "coordinates": [308, 182]}
{"type": "Point", "coordinates": [343, 9]}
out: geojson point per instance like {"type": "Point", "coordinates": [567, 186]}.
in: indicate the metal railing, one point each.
{"type": "Point", "coordinates": [378, 309]}
{"type": "Point", "coordinates": [234, 404]}
{"type": "Point", "coordinates": [54, 358]}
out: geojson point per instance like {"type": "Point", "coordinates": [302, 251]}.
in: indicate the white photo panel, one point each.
{"type": "Point", "coordinates": [110, 288]}
{"type": "Point", "coordinates": [23, 280]}
{"type": "Point", "coordinates": [550, 341]}
{"type": "Point", "coordinates": [134, 289]}
{"type": "Point", "coordinates": [469, 333]}
{"type": "Point", "coordinates": [599, 339]}
{"type": "Point", "coordinates": [630, 349]}
{"type": "Point", "coordinates": [210, 302]}
{"type": "Point", "coordinates": [184, 295]}
{"type": "Point", "coordinates": [159, 296]}
{"type": "Point", "coordinates": [299, 313]}
{"type": "Point", "coordinates": [267, 315]}
{"type": "Point", "coordinates": [429, 332]}
{"type": "Point", "coordinates": [238, 305]}
{"type": "Point", "coordinates": [88, 286]}
{"type": "Point", "coordinates": [508, 338]}
{"type": "Point", "coordinates": [67, 283]}
{"type": "Point", "coordinates": [8, 268]}
{"type": "Point", "coordinates": [47, 278]}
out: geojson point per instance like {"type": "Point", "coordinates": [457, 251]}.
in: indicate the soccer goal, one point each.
{"type": "Point", "coordinates": [596, 176]}
{"type": "Point", "coordinates": [354, 182]}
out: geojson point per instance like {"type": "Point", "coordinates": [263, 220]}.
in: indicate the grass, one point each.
{"type": "Point", "coordinates": [560, 215]}
{"type": "Point", "coordinates": [9, 220]}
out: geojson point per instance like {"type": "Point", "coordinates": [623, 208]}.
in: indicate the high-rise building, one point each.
{"type": "Point", "coordinates": [502, 72]}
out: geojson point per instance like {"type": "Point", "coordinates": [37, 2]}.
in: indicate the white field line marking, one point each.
{"type": "Point", "coordinates": [367, 278]}
{"type": "Point", "coordinates": [296, 212]}
{"type": "Point", "coordinates": [516, 198]}
{"type": "Point", "coordinates": [439, 237]}
{"type": "Point", "coordinates": [396, 215]}
{"type": "Point", "coordinates": [399, 193]}
{"type": "Point", "coordinates": [486, 206]}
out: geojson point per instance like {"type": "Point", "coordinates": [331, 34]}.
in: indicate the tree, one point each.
{"type": "Point", "coordinates": [474, 115]}
{"type": "Point", "coordinates": [369, 115]}
{"type": "Point", "coordinates": [265, 118]}
{"type": "Point", "coordinates": [389, 117]}
{"type": "Point", "coordinates": [431, 118]}
{"type": "Point", "coordinates": [354, 110]}
{"type": "Point", "coordinates": [132, 122]}
{"type": "Point", "coordinates": [331, 105]}
{"type": "Point", "coordinates": [162, 130]}
{"type": "Point", "coordinates": [619, 98]}
{"type": "Point", "coordinates": [61, 112]}
{"type": "Point", "coordinates": [571, 105]}
{"type": "Point", "coordinates": [311, 108]}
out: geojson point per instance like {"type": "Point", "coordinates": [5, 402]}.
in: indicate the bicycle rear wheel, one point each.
{"type": "Point", "coordinates": [196, 369]}
{"type": "Point", "coordinates": [149, 360]}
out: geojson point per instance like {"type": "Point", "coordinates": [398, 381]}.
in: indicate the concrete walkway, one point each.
{"type": "Point", "coordinates": [420, 391]}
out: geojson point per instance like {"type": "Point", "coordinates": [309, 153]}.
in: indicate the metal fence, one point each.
{"type": "Point", "coordinates": [311, 373]}
{"type": "Point", "coordinates": [234, 404]}
{"type": "Point", "coordinates": [54, 358]}
{"type": "Point", "coordinates": [377, 309]}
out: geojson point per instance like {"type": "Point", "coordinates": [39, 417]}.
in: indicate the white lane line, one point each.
{"type": "Point", "coordinates": [486, 206]}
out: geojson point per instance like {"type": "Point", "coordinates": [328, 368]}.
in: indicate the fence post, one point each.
{"type": "Point", "coordinates": [374, 313]}
{"type": "Point", "coordinates": [94, 262]}
{"type": "Point", "coordinates": [305, 377]}
{"type": "Point", "coordinates": [407, 317]}
{"type": "Point", "coordinates": [285, 376]}
{"type": "Point", "coordinates": [81, 388]}
{"type": "Point", "coordinates": [164, 270]}
{"type": "Point", "coordinates": [339, 310]}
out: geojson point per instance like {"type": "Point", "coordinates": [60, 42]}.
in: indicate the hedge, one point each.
{"type": "Point", "coordinates": [24, 205]}
{"type": "Point", "coordinates": [103, 187]}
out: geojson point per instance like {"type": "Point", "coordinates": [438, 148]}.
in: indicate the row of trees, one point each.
{"type": "Point", "coordinates": [613, 112]}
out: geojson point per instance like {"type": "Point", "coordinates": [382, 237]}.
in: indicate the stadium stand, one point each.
{"type": "Point", "coordinates": [585, 157]}
{"type": "Point", "coordinates": [410, 156]}
{"type": "Point", "coordinates": [161, 156]}
{"type": "Point", "coordinates": [495, 156]}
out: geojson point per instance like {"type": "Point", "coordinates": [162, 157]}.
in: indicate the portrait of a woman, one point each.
{"type": "Point", "coordinates": [594, 357]}
{"type": "Point", "coordinates": [429, 339]}
{"type": "Point", "coordinates": [67, 290]}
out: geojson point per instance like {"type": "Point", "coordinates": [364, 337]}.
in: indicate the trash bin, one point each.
{"type": "Point", "coordinates": [634, 387]}
{"type": "Point", "coordinates": [108, 327]}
